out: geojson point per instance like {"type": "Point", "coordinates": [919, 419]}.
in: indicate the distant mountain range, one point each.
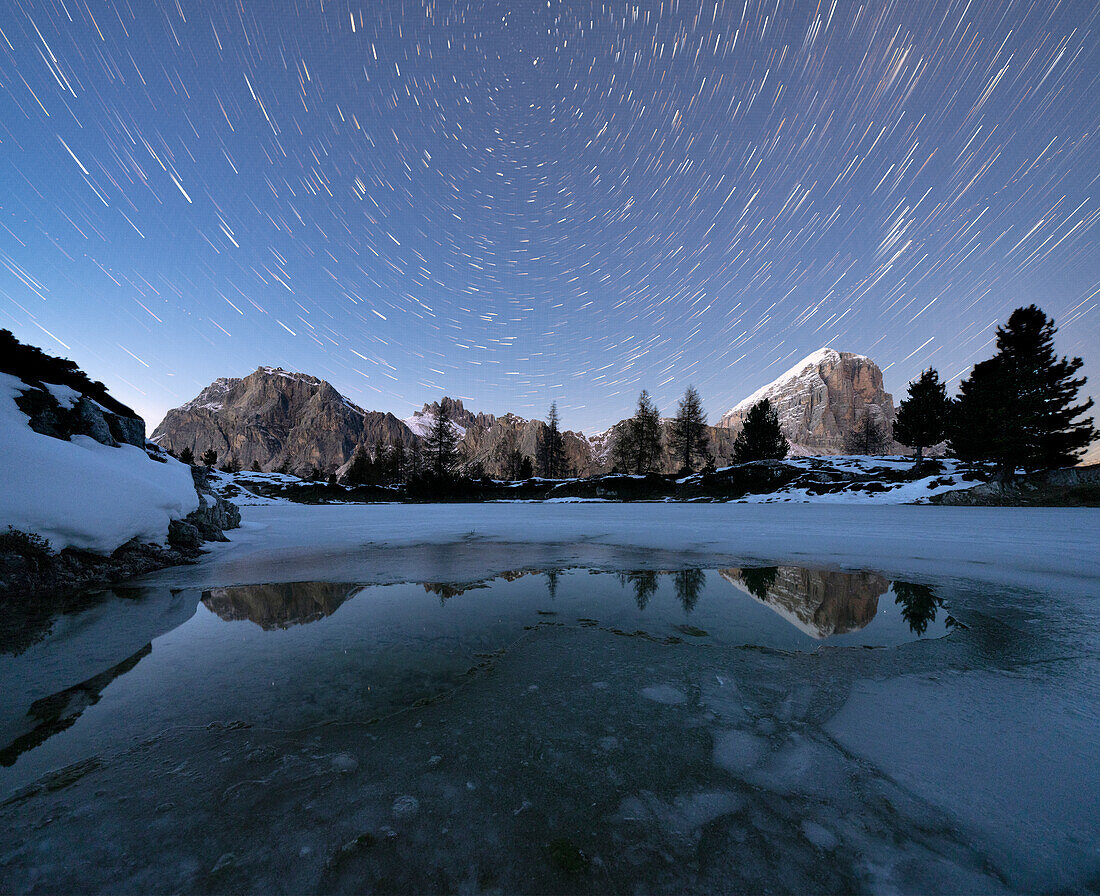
{"type": "Point", "coordinates": [279, 419]}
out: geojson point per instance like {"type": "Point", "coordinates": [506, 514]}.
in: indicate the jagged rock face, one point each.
{"type": "Point", "coordinates": [821, 400]}
{"type": "Point", "coordinates": [421, 421]}
{"type": "Point", "coordinates": [820, 602]}
{"type": "Point", "coordinates": [274, 418]}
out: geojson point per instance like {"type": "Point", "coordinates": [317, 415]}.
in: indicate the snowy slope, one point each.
{"type": "Point", "coordinates": [781, 383]}
{"type": "Point", "coordinates": [80, 493]}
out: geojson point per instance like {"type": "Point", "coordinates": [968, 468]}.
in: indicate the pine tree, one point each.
{"type": "Point", "coordinates": [922, 418]}
{"type": "Point", "coordinates": [551, 447]}
{"type": "Point", "coordinates": [396, 467]}
{"type": "Point", "coordinates": [688, 433]}
{"type": "Point", "coordinates": [255, 468]}
{"type": "Point", "coordinates": [360, 470]}
{"type": "Point", "coordinates": [1017, 409]}
{"type": "Point", "coordinates": [209, 457]}
{"type": "Point", "coordinates": [918, 605]}
{"type": "Point", "coordinates": [759, 579]}
{"type": "Point", "coordinates": [187, 456]}
{"type": "Point", "coordinates": [760, 438]}
{"type": "Point", "coordinates": [638, 443]}
{"type": "Point", "coordinates": [442, 447]}
{"type": "Point", "coordinates": [527, 467]}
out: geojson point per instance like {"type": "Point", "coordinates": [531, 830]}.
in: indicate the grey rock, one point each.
{"type": "Point", "coordinates": [821, 400]}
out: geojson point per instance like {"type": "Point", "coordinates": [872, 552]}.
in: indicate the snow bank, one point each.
{"type": "Point", "coordinates": [82, 494]}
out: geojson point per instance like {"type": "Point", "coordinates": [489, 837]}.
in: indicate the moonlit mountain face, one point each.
{"type": "Point", "coordinates": [567, 201]}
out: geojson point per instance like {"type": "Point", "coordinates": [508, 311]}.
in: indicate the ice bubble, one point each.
{"type": "Point", "coordinates": [405, 806]}
{"type": "Point", "coordinates": [344, 763]}
{"type": "Point", "coordinates": [737, 751]}
{"type": "Point", "coordinates": [664, 693]}
{"type": "Point", "coordinates": [819, 836]}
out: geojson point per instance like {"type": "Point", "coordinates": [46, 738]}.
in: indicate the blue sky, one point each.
{"type": "Point", "coordinates": [569, 203]}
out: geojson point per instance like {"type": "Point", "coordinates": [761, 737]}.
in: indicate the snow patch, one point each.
{"type": "Point", "coordinates": [82, 494]}
{"type": "Point", "coordinates": [65, 396]}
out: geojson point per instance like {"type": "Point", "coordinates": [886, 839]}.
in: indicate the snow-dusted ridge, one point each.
{"type": "Point", "coordinates": [810, 362]}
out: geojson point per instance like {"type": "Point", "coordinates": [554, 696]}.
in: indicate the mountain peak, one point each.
{"type": "Point", "coordinates": [820, 400]}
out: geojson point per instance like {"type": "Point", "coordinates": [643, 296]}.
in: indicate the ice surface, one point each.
{"type": "Point", "coordinates": [1044, 547]}
{"type": "Point", "coordinates": [442, 739]}
{"type": "Point", "coordinates": [80, 493]}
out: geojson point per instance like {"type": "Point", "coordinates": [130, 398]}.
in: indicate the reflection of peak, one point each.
{"type": "Point", "coordinates": [819, 602]}
{"type": "Point", "coordinates": [278, 606]}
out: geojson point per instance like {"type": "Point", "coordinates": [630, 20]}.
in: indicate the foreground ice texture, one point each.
{"type": "Point", "coordinates": [627, 725]}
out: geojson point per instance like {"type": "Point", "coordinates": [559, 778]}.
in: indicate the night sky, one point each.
{"type": "Point", "coordinates": [564, 202]}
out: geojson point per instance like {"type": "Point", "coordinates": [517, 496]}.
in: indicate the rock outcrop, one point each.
{"type": "Point", "coordinates": [88, 500]}
{"type": "Point", "coordinates": [277, 420]}
{"type": "Point", "coordinates": [822, 400]}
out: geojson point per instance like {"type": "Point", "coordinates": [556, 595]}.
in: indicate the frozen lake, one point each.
{"type": "Point", "coordinates": [595, 698]}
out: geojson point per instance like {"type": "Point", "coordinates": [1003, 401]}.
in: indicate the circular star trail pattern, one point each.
{"type": "Point", "coordinates": [566, 202]}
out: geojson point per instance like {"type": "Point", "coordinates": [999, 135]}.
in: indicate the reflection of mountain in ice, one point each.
{"type": "Point", "coordinates": [278, 606]}
{"type": "Point", "coordinates": [818, 602]}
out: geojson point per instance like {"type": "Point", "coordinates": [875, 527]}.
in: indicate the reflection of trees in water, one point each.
{"type": "Point", "coordinates": [552, 582]}
{"type": "Point", "coordinates": [759, 579]}
{"type": "Point", "coordinates": [644, 583]}
{"type": "Point", "coordinates": [918, 605]}
{"type": "Point", "coordinates": [689, 582]}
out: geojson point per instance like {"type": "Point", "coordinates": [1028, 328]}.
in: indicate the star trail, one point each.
{"type": "Point", "coordinates": [520, 203]}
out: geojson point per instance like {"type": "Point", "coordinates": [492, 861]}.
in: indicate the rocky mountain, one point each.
{"type": "Point", "coordinates": [821, 401]}
{"type": "Point", "coordinates": [281, 420]}
{"type": "Point", "coordinates": [278, 606]}
{"type": "Point", "coordinates": [820, 602]}
{"type": "Point", "coordinates": [278, 420]}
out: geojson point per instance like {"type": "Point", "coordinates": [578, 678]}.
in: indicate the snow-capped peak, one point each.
{"type": "Point", "coordinates": [812, 361]}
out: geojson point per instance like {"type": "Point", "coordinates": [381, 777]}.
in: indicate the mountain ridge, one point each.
{"type": "Point", "coordinates": [279, 419]}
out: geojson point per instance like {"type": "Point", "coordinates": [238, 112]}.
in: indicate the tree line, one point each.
{"type": "Point", "coordinates": [1016, 410]}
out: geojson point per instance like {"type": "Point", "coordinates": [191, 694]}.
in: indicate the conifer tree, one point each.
{"type": "Point", "coordinates": [442, 446]}
{"type": "Point", "coordinates": [187, 456]}
{"type": "Point", "coordinates": [397, 463]}
{"type": "Point", "coordinates": [551, 447]}
{"type": "Point", "coordinates": [760, 438]}
{"type": "Point", "coordinates": [922, 418]}
{"type": "Point", "coordinates": [1017, 409]}
{"type": "Point", "coordinates": [360, 470]}
{"type": "Point", "coordinates": [688, 433]}
{"type": "Point", "coordinates": [209, 457]}
{"type": "Point", "coordinates": [638, 443]}
{"type": "Point", "coordinates": [869, 436]}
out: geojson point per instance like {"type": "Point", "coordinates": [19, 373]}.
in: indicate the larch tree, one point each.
{"type": "Point", "coordinates": [688, 433]}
